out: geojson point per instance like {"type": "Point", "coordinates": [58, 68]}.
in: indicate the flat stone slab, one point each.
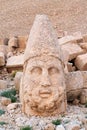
{"type": "Point", "coordinates": [15, 63]}
{"type": "Point", "coordinates": [73, 50]}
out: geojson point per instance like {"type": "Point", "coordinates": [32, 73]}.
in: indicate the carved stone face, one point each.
{"type": "Point", "coordinates": [43, 86]}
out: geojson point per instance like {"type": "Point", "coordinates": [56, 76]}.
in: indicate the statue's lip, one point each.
{"type": "Point", "coordinates": [45, 93]}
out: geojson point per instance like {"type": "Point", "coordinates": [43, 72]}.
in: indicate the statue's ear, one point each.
{"type": "Point", "coordinates": [65, 57]}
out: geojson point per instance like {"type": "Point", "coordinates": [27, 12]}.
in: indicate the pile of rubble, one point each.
{"type": "Point", "coordinates": [74, 49]}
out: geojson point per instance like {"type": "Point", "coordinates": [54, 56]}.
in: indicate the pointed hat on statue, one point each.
{"type": "Point", "coordinates": [42, 40]}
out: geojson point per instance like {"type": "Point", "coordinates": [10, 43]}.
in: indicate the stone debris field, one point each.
{"type": "Point", "coordinates": [43, 75]}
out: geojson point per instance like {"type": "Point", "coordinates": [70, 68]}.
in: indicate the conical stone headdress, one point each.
{"type": "Point", "coordinates": [42, 40]}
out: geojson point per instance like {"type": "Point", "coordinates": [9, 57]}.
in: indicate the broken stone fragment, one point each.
{"type": "Point", "coordinates": [17, 80]}
{"type": "Point", "coordinates": [83, 98]}
{"type": "Point", "coordinates": [2, 59]}
{"type": "Point", "coordinates": [22, 41]}
{"type": "Point", "coordinates": [74, 85]}
{"type": "Point", "coordinates": [3, 84]}
{"type": "Point", "coordinates": [81, 62]}
{"type": "Point", "coordinates": [75, 38]}
{"type": "Point", "coordinates": [73, 50]}
{"type": "Point", "coordinates": [15, 63]}
{"type": "Point", "coordinates": [13, 43]}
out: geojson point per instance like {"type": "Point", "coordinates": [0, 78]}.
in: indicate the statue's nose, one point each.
{"type": "Point", "coordinates": [45, 79]}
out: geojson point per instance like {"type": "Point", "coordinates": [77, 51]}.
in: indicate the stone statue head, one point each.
{"type": "Point", "coordinates": [43, 90]}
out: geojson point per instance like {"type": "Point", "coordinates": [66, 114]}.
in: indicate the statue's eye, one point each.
{"type": "Point", "coordinates": [36, 70]}
{"type": "Point", "coordinates": [53, 70]}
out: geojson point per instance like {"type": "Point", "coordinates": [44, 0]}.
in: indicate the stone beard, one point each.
{"type": "Point", "coordinates": [43, 87]}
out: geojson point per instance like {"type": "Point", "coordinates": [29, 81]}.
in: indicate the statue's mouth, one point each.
{"type": "Point", "coordinates": [45, 93]}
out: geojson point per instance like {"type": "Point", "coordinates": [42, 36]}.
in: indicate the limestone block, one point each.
{"type": "Point", "coordinates": [3, 84]}
{"type": "Point", "coordinates": [22, 41]}
{"type": "Point", "coordinates": [4, 49]}
{"type": "Point", "coordinates": [75, 38]}
{"type": "Point", "coordinates": [83, 98]}
{"type": "Point", "coordinates": [5, 101]}
{"type": "Point", "coordinates": [81, 62]}
{"type": "Point", "coordinates": [73, 50]}
{"type": "Point", "coordinates": [2, 59]}
{"type": "Point", "coordinates": [60, 127]}
{"type": "Point", "coordinates": [15, 62]}
{"type": "Point", "coordinates": [13, 42]}
{"type": "Point", "coordinates": [74, 84]}
{"type": "Point", "coordinates": [84, 74]}
{"type": "Point", "coordinates": [17, 80]}
{"type": "Point", "coordinates": [5, 41]}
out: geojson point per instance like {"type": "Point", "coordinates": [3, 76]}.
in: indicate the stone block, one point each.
{"type": "Point", "coordinates": [75, 38]}
{"type": "Point", "coordinates": [81, 62]}
{"type": "Point", "coordinates": [84, 74]}
{"type": "Point", "coordinates": [2, 59]}
{"type": "Point", "coordinates": [15, 63]}
{"type": "Point", "coordinates": [4, 49]}
{"type": "Point", "coordinates": [17, 80]}
{"type": "Point", "coordinates": [3, 84]}
{"type": "Point", "coordinates": [22, 41]}
{"type": "Point", "coordinates": [73, 50]}
{"type": "Point", "coordinates": [83, 98]}
{"type": "Point", "coordinates": [5, 101]}
{"type": "Point", "coordinates": [74, 84]}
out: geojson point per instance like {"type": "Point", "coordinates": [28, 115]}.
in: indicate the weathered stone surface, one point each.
{"type": "Point", "coordinates": [81, 62]}
{"type": "Point", "coordinates": [43, 90]}
{"type": "Point", "coordinates": [4, 49]}
{"type": "Point", "coordinates": [15, 62]}
{"type": "Point", "coordinates": [3, 84]}
{"type": "Point", "coordinates": [83, 98]}
{"type": "Point", "coordinates": [17, 80]}
{"type": "Point", "coordinates": [5, 101]}
{"type": "Point", "coordinates": [73, 50]}
{"type": "Point", "coordinates": [22, 41]}
{"type": "Point", "coordinates": [84, 74]}
{"type": "Point", "coordinates": [74, 85]}
{"type": "Point", "coordinates": [76, 38]}
{"type": "Point", "coordinates": [13, 43]}
{"type": "Point", "coordinates": [2, 59]}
